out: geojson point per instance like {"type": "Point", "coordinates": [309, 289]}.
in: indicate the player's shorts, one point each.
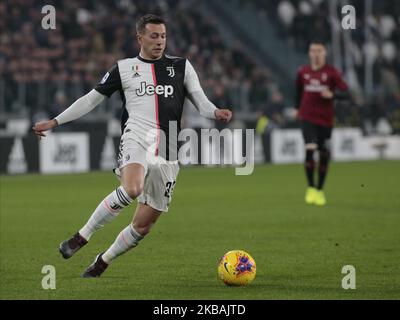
{"type": "Point", "coordinates": [160, 174]}
{"type": "Point", "coordinates": [316, 134]}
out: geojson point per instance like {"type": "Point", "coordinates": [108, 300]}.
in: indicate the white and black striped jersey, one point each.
{"type": "Point", "coordinates": [153, 94]}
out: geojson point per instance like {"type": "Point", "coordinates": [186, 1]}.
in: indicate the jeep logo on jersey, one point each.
{"type": "Point", "coordinates": [150, 89]}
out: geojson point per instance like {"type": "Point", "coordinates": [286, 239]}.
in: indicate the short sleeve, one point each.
{"type": "Point", "coordinates": [110, 83]}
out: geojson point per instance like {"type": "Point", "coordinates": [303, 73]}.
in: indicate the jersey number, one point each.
{"type": "Point", "coordinates": [169, 189]}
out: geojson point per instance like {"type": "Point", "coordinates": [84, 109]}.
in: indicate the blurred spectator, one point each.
{"type": "Point", "coordinates": [275, 109]}
{"type": "Point", "coordinates": [42, 71]}
{"type": "Point", "coordinates": [221, 99]}
{"type": "Point", "coordinates": [60, 104]}
{"type": "Point", "coordinates": [45, 70]}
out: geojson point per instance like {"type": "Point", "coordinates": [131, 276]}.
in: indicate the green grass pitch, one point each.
{"type": "Point", "coordinates": [299, 249]}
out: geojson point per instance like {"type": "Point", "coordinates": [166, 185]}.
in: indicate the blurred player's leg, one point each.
{"type": "Point", "coordinates": [144, 218]}
{"type": "Point", "coordinates": [324, 136]}
{"type": "Point", "coordinates": [310, 165]}
{"type": "Point", "coordinates": [310, 168]}
{"type": "Point", "coordinates": [132, 185]}
{"type": "Point", "coordinates": [310, 139]}
{"type": "Point", "coordinates": [324, 156]}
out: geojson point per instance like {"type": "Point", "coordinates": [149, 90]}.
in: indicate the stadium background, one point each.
{"type": "Point", "coordinates": [246, 54]}
{"type": "Point", "coordinates": [44, 71]}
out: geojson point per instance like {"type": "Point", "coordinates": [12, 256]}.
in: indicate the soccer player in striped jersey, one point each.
{"type": "Point", "coordinates": [153, 87]}
{"type": "Point", "coordinates": [318, 84]}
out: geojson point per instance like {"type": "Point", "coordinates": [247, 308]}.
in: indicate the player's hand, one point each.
{"type": "Point", "coordinates": [295, 114]}
{"type": "Point", "coordinates": [327, 94]}
{"type": "Point", "coordinates": [40, 127]}
{"type": "Point", "coordinates": [224, 115]}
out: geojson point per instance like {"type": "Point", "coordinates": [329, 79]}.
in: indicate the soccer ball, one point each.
{"type": "Point", "coordinates": [237, 268]}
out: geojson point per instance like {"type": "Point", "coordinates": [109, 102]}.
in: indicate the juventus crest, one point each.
{"type": "Point", "coordinates": [171, 72]}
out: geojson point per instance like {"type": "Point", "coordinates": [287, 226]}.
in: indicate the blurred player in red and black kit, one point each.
{"type": "Point", "coordinates": [317, 85]}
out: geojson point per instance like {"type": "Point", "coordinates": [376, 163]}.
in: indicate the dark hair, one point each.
{"type": "Point", "coordinates": [146, 19]}
{"type": "Point", "coordinates": [317, 41]}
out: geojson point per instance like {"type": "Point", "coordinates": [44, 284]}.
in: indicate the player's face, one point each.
{"type": "Point", "coordinates": [317, 54]}
{"type": "Point", "coordinates": [153, 40]}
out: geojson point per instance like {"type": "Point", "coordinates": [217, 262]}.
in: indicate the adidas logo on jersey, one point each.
{"type": "Point", "coordinates": [149, 89]}
{"type": "Point", "coordinates": [136, 69]}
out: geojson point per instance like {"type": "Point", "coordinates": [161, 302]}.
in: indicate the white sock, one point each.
{"type": "Point", "coordinates": [126, 240]}
{"type": "Point", "coordinates": [106, 211]}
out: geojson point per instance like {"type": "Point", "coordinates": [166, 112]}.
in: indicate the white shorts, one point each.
{"type": "Point", "coordinates": [160, 174]}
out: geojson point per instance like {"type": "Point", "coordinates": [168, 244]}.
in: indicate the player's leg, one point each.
{"type": "Point", "coordinates": [132, 179]}
{"type": "Point", "coordinates": [324, 157]}
{"type": "Point", "coordinates": [309, 163]}
{"type": "Point", "coordinates": [155, 199]}
{"type": "Point", "coordinates": [131, 186]}
{"type": "Point", "coordinates": [132, 164]}
{"type": "Point", "coordinates": [145, 217]}
{"type": "Point", "coordinates": [310, 139]}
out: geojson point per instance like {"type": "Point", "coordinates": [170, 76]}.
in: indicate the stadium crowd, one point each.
{"type": "Point", "coordinates": [48, 69]}
{"type": "Point", "coordinates": [43, 71]}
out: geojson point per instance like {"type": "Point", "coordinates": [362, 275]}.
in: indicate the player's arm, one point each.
{"type": "Point", "coordinates": [197, 96]}
{"type": "Point", "coordinates": [299, 90]}
{"type": "Point", "coordinates": [342, 95]}
{"type": "Point", "coordinates": [341, 91]}
{"type": "Point", "coordinates": [110, 83]}
{"type": "Point", "coordinates": [79, 108]}
{"type": "Point", "coordinates": [337, 95]}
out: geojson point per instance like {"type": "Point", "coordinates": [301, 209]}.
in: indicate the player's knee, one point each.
{"type": "Point", "coordinates": [324, 153]}
{"type": "Point", "coordinates": [134, 190]}
{"type": "Point", "coordinates": [309, 157]}
{"type": "Point", "coordinates": [142, 228]}
{"type": "Point", "coordinates": [311, 146]}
